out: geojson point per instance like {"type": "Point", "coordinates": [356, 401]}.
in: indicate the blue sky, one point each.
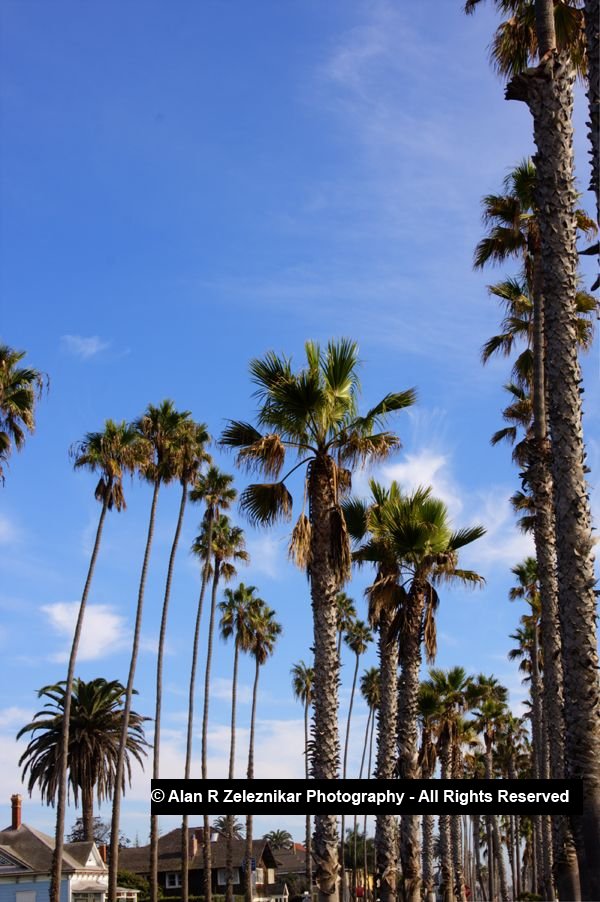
{"type": "Point", "coordinates": [184, 187]}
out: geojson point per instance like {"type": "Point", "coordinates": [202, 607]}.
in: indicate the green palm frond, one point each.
{"type": "Point", "coordinates": [265, 503]}
{"type": "Point", "coordinates": [356, 449]}
{"type": "Point", "coordinates": [391, 403]}
{"type": "Point", "coordinates": [356, 514]}
{"type": "Point", "coordinates": [239, 435]}
{"type": "Point", "coordinates": [463, 537]}
{"type": "Point", "coordinates": [268, 371]}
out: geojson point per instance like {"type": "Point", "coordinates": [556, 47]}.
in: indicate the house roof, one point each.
{"type": "Point", "coordinates": [169, 853]}
{"type": "Point", "coordinates": [291, 861]}
{"type": "Point", "coordinates": [34, 850]}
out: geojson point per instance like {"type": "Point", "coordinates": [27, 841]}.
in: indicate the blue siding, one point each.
{"type": "Point", "coordinates": [41, 888]}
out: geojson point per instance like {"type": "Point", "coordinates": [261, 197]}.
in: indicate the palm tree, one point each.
{"type": "Point", "coordinates": [213, 489]}
{"type": "Point", "coordinates": [490, 698]}
{"type": "Point", "coordinates": [547, 89]}
{"type": "Point", "coordinates": [236, 620]}
{"type": "Point", "coordinates": [416, 530]}
{"type": "Point", "coordinates": [96, 717]}
{"type": "Point", "coordinates": [221, 825]}
{"type": "Point", "coordinates": [189, 454]}
{"type": "Point", "coordinates": [111, 453]}
{"type": "Point", "coordinates": [428, 713]}
{"type": "Point", "coordinates": [20, 387]}
{"type": "Point", "coordinates": [345, 615]}
{"type": "Point", "coordinates": [265, 632]}
{"type": "Point", "coordinates": [158, 429]}
{"type": "Point", "coordinates": [279, 839]}
{"type": "Point", "coordinates": [226, 548]}
{"type": "Point", "coordinates": [314, 414]}
{"type": "Point", "coordinates": [592, 15]}
{"type": "Point", "coordinates": [357, 638]}
{"type": "Point", "coordinates": [370, 689]}
{"type": "Point", "coordinates": [302, 685]}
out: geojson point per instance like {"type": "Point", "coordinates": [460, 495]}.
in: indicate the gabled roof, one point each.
{"type": "Point", "coordinates": [34, 850]}
{"type": "Point", "coordinates": [169, 853]}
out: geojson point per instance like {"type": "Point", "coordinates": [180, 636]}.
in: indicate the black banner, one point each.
{"type": "Point", "coordinates": [367, 796]}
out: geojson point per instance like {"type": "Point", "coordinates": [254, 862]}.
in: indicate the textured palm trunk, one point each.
{"type": "Point", "coordinates": [229, 821]}
{"type": "Point", "coordinates": [57, 855]}
{"type": "Point", "coordinates": [87, 812]}
{"type": "Point", "coordinates": [408, 702]}
{"type": "Point", "coordinates": [206, 846]}
{"type": "Point", "coordinates": [344, 770]}
{"type": "Point", "coordinates": [539, 474]}
{"type": "Point", "coordinates": [120, 768]}
{"type": "Point", "coordinates": [477, 854]}
{"type": "Point", "coordinates": [456, 834]}
{"type": "Point", "coordinates": [307, 841]}
{"type": "Point", "coordinates": [365, 850]}
{"type": "Point", "coordinates": [159, 673]}
{"type": "Point", "coordinates": [592, 20]}
{"type": "Point", "coordinates": [495, 856]}
{"type": "Point", "coordinates": [325, 583]}
{"type": "Point", "coordinates": [190, 718]}
{"type": "Point", "coordinates": [544, 835]}
{"type": "Point", "coordinates": [444, 822]}
{"type": "Point", "coordinates": [548, 91]}
{"type": "Point", "coordinates": [386, 828]}
{"type": "Point", "coordinates": [250, 776]}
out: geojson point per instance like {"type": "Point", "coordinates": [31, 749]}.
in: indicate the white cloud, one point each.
{"type": "Point", "coordinates": [267, 555]}
{"type": "Point", "coordinates": [83, 347]}
{"type": "Point", "coordinates": [427, 468]}
{"type": "Point", "coordinates": [9, 533]}
{"type": "Point", "coordinates": [104, 631]}
{"type": "Point", "coordinates": [221, 688]}
{"type": "Point", "coordinates": [14, 717]}
{"type": "Point", "coordinates": [503, 542]}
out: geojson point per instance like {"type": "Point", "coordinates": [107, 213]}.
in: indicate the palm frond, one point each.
{"type": "Point", "coordinates": [355, 448]}
{"type": "Point", "coordinates": [265, 503]}
{"type": "Point", "coordinates": [299, 549]}
{"type": "Point", "coordinates": [239, 435]}
{"type": "Point", "coordinates": [463, 537]}
{"type": "Point", "coordinates": [356, 513]}
{"type": "Point", "coordinates": [391, 403]}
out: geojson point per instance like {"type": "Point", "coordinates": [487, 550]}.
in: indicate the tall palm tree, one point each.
{"type": "Point", "coordinates": [188, 455]}
{"type": "Point", "coordinates": [20, 387]}
{"type": "Point", "coordinates": [215, 491]}
{"type": "Point", "coordinates": [158, 429]}
{"type": "Point", "coordinates": [279, 839]}
{"type": "Point", "coordinates": [110, 453]}
{"type": "Point", "coordinates": [236, 621]}
{"type": "Point", "coordinates": [417, 530]}
{"type": "Point", "coordinates": [428, 712]}
{"type": "Point", "coordinates": [314, 414]}
{"type": "Point", "coordinates": [357, 638]}
{"type": "Point", "coordinates": [265, 632]}
{"type": "Point", "coordinates": [220, 824]}
{"type": "Point", "coordinates": [302, 686]}
{"type": "Point", "coordinates": [547, 89]}
{"type": "Point", "coordinates": [370, 689]}
{"type": "Point", "coordinates": [345, 615]}
{"type": "Point", "coordinates": [227, 547]}
{"type": "Point", "coordinates": [488, 697]}
{"type": "Point", "coordinates": [96, 717]}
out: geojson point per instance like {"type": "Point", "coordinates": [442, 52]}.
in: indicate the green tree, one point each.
{"type": "Point", "coordinates": [313, 413]}
{"type": "Point", "coordinates": [188, 454]}
{"type": "Point", "coordinates": [302, 685]}
{"type": "Point", "coordinates": [215, 491]}
{"type": "Point", "coordinates": [158, 430]}
{"type": "Point", "coordinates": [265, 632]}
{"type": "Point", "coordinates": [20, 388]}
{"type": "Point", "coordinates": [111, 453]}
{"type": "Point", "coordinates": [95, 728]}
{"type": "Point", "coordinates": [279, 839]}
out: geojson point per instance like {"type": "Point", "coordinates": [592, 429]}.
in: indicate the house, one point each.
{"type": "Point", "coordinates": [264, 885]}
{"type": "Point", "coordinates": [291, 862]}
{"type": "Point", "coordinates": [26, 862]}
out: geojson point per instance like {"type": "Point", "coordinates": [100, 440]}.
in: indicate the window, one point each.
{"type": "Point", "coordinates": [173, 880]}
{"type": "Point", "coordinates": [222, 876]}
{"type": "Point", "coordinates": [260, 877]}
{"type": "Point", "coordinates": [25, 896]}
{"type": "Point", "coordinates": [270, 875]}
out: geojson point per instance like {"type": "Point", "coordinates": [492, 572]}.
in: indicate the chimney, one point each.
{"type": "Point", "coordinates": [102, 850]}
{"type": "Point", "coordinates": [196, 841]}
{"type": "Point", "coordinates": [15, 801]}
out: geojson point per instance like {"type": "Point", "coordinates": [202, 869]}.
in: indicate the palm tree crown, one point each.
{"type": "Point", "coordinates": [20, 387]}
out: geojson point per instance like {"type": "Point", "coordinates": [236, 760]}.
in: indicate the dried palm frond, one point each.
{"type": "Point", "coordinates": [341, 557]}
{"type": "Point", "coordinates": [266, 454]}
{"type": "Point", "coordinates": [265, 503]}
{"type": "Point", "coordinates": [429, 627]}
{"type": "Point", "coordinates": [299, 549]}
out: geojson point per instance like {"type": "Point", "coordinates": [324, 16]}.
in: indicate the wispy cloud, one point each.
{"type": "Point", "coordinates": [82, 346]}
{"type": "Point", "coordinates": [104, 630]}
{"type": "Point", "coordinates": [9, 532]}
{"type": "Point", "coordinates": [221, 689]}
{"type": "Point", "coordinates": [267, 555]}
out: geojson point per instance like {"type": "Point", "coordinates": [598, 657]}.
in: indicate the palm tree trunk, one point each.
{"type": "Point", "coordinates": [57, 855]}
{"type": "Point", "coordinates": [477, 851]}
{"type": "Point", "coordinates": [444, 822]}
{"type": "Point", "coordinates": [206, 831]}
{"type": "Point", "coordinates": [157, 715]}
{"type": "Point", "coordinates": [592, 17]}
{"type": "Point", "coordinates": [307, 841]}
{"type": "Point", "coordinates": [325, 583]}
{"type": "Point", "coordinates": [408, 698]}
{"type": "Point", "coordinates": [350, 706]}
{"type": "Point", "coordinates": [190, 718]}
{"type": "Point", "coordinates": [548, 91]}
{"type": "Point", "coordinates": [456, 836]}
{"type": "Point", "coordinates": [250, 776]}
{"type": "Point", "coordinates": [386, 832]}
{"type": "Point", "coordinates": [229, 822]}
{"type": "Point", "coordinates": [87, 812]}
{"type": "Point", "coordinates": [365, 850]}
{"type": "Point", "coordinates": [119, 775]}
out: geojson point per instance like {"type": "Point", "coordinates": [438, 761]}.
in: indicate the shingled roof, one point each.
{"type": "Point", "coordinates": [34, 850]}
{"type": "Point", "coordinates": [169, 853]}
